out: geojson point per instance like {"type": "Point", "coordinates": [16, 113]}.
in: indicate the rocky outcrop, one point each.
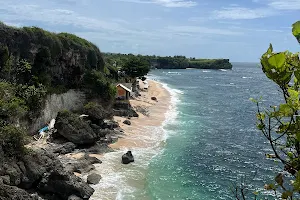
{"type": "Point", "coordinates": [12, 192]}
{"type": "Point", "coordinates": [93, 179]}
{"type": "Point", "coordinates": [82, 165]}
{"type": "Point", "coordinates": [124, 109]}
{"type": "Point", "coordinates": [96, 113]}
{"type": "Point", "coordinates": [109, 124]}
{"type": "Point", "coordinates": [75, 129]}
{"type": "Point", "coordinates": [127, 158]}
{"type": "Point", "coordinates": [41, 172]}
{"type": "Point", "coordinates": [65, 148]}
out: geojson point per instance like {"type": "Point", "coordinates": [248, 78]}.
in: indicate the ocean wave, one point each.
{"type": "Point", "coordinates": [123, 181]}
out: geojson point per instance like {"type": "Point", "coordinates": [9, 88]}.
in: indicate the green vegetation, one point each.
{"type": "Point", "coordinates": [136, 67]}
{"type": "Point", "coordinates": [210, 63]}
{"type": "Point", "coordinates": [34, 63]}
{"type": "Point", "coordinates": [168, 62]}
{"type": "Point", "coordinates": [280, 124]}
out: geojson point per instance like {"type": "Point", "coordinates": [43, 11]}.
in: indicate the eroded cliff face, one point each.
{"type": "Point", "coordinates": [72, 100]}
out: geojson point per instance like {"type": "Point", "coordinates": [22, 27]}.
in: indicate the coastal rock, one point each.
{"type": "Point", "coordinates": [36, 164]}
{"type": "Point", "coordinates": [83, 165]}
{"type": "Point", "coordinates": [13, 192]}
{"type": "Point", "coordinates": [154, 98]}
{"type": "Point", "coordinates": [65, 148]}
{"type": "Point", "coordinates": [93, 178]}
{"type": "Point", "coordinates": [127, 122]}
{"type": "Point", "coordinates": [74, 129]}
{"type": "Point", "coordinates": [127, 158]}
{"type": "Point", "coordinates": [96, 113]}
{"type": "Point", "coordinates": [64, 185]}
{"type": "Point", "coordinates": [74, 197]}
{"type": "Point", "coordinates": [99, 148]}
{"type": "Point", "coordinates": [109, 124]}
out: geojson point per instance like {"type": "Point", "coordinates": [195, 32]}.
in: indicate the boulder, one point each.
{"type": "Point", "coordinates": [96, 113]}
{"type": "Point", "coordinates": [93, 178]}
{"type": "Point", "coordinates": [74, 197]}
{"type": "Point", "coordinates": [110, 124]}
{"type": "Point", "coordinates": [65, 148]}
{"type": "Point", "coordinates": [13, 192]}
{"type": "Point", "coordinates": [36, 164]}
{"type": "Point", "coordinates": [75, 129]}
{"type": "Point", "coordinates": [64, 185]}
{"type": "Point", "coordinates": [127, 122]}
{"type": "Point", "coordinates": [127, 158]}
{"type": "Point", "coordinates": [99, 148]}
{"type": "Point", "coordinates": [154, 98]}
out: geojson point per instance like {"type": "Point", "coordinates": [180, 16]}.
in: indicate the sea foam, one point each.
{"type": "Point", "coordinates": [121, 182]}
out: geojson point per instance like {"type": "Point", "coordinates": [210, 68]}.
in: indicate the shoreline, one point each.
{"type": "Point", "coordinates": [144, 137]}
{"type": "Point", "coordinates": [156, 115]}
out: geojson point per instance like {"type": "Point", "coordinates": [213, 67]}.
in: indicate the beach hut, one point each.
{"type": "Point", "coordinates": [124, 91]}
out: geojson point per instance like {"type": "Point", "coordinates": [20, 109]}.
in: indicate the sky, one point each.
{"type": "Point", "coordinates": [240, 30]}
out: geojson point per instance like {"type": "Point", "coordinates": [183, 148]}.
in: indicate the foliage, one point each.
{"type": "Point", "coordinates": [33, 96]}
{"type": "Point", "coordinates": [210, 63]}
{"type": "Point", "coordinates": [11, 106]}
{"type": "Point", "coordinates": [136, 67]}
{"type": "Point", "coordinates": [296, 30]}
{"type": "Point", "coordinates": [99, 85]}
{"type": "Point", "coordinates": [281, 124]}
{"type": "Point", "coordinates": [55, 59]}
{"type": "Point", "coordinates": [12, 140]}
{"type": "Point", "coordinates": [168, 62]}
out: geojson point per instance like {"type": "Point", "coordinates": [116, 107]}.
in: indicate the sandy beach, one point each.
{"type": "Point", "coordinates": [156, 117]}
{"type": "Point", "coordinates": [144, 137]}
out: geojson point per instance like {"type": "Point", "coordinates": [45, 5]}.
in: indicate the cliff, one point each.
{"type": "Point", "coordinates": [55, 59]}
{"type": "Point", "coordinates": [210, 64]}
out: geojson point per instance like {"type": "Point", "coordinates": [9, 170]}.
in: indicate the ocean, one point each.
{"type": "Point", "coordinates": [208, 143]}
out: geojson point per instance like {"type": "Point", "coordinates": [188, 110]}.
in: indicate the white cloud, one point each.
{"type": "Point", "coordinates": [167, 3]}
{"type": "Point", "coordinates": [285, 4]}
{"type": "Point", "coordinates": [202, 30]}
{"type": "Point", "coordinates": [236, 13]}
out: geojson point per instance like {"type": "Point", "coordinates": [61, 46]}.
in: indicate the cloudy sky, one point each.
{"type": "Point", "coordinates": [237, 29]}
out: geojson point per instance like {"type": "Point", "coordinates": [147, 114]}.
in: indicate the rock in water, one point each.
{"type": "Point", "coordinates": [127, 158]}
{"type": "Point", "coordinates": [127, 122]}
{"type": "Point", "coordinates": [93, 179]}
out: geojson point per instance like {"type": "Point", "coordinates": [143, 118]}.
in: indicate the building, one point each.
{"type": "Point", "coordinates": [124, 91]}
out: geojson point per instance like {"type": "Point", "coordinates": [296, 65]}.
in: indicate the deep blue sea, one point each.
{"type": "Point", "coordinates": [211, 142]}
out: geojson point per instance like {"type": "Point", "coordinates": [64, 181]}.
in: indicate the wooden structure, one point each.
{"type": "Point", "coordinates": [123, 91]}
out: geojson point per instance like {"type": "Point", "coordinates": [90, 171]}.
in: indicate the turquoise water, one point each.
{"type": "Point", "coordinates": [213, 141]}
{"type": "Point", "coordinates": [207, 144]}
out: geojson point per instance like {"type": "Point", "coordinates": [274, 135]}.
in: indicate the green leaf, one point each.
{"type": "Point", "coordinates": [285, 110]}
{"type": "Point", "coordinates": [253, 100]}
{"type": "Point", "coordinates": [296, 30]}
{"type": "Point", "coordinates": [277, 61]}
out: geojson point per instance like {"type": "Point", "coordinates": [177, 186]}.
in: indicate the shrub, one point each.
{"type": "Point", "coordinates": [99, 85]}
{"type": "Point", "coordinates": [12, 140]}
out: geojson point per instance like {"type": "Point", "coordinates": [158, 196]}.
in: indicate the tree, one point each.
{"type": "Point", "coordinates": [280, 124]}
{"type": "Point", "coordinates": [136, 67]}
